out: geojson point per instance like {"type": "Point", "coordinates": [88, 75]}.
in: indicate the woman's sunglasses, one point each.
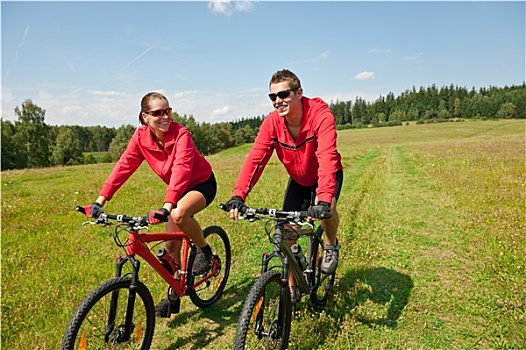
{"type": "Point", "coordinates": [161, 112]}
{"type": "Point", "coordinates": [282, 94]}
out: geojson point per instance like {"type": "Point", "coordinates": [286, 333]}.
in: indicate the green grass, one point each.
{"type": "Point", "coordinates": [432, 229]}
{"type": "Point", "coordinates": [100, 157]}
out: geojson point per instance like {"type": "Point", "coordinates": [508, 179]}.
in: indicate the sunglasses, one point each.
{"type": "Point", "coordinates": [161, 112]}
{"type": "Point", "coordinates": [282, 94]}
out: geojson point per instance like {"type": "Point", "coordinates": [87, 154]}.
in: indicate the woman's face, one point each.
{"type": "Point", "coordinates": [159, 116]}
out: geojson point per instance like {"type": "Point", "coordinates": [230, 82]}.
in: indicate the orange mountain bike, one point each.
{"type": "Point", "coordinates": [120, 313]}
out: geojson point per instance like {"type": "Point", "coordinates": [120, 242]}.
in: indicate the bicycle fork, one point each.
{"type": "Point", "coordinates": [127, 328]}
{"type": "Point", "coordinates": [283, 252]}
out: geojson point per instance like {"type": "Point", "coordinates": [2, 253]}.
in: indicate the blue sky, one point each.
{"type": "Point", "coordinates": [89, 63]}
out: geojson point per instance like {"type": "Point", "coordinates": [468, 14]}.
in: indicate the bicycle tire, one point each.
{"type": "Point", "coordinates": [258, 324]}
{"type": "Point", "coordinates": [322, 283]}
{"type": "Point", "coordinates": [89, 324]}
{"type": "Point", "coordinates": [210, 291]}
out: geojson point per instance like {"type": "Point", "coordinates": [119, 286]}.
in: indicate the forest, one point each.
{"type": "Point", "coordinates": [31, 143]}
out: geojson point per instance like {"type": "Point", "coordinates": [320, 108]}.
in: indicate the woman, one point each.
{"type": "Point", "coordinates": [168, 148]}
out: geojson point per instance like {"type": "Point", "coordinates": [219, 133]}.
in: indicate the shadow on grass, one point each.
{"type": "Point", "coordinates": [224, 313]}
{"type": "Point", "coordinates": [381, 286]}
{"type": "Point", "coordinates": [351, 293]}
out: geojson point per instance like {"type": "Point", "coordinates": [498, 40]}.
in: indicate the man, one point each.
{"type": "Point", "coordinates": [303, 133]}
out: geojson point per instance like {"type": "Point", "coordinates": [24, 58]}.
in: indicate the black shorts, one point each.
{"type": "Point", "coordinates": [298, 197]}
{"type": "Point", "coordinates": [207, 188]}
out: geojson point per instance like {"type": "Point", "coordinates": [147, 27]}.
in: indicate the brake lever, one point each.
{"type": "Point", "coordinates": [89, 223]}
{"type": "Point", "coordinates": [251, 217]}
{"type": "Point", "coordinates": [99, 221]}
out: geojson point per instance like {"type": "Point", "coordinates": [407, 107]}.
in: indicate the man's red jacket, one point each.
{"type": "Point", "coordinates": [312, 158]}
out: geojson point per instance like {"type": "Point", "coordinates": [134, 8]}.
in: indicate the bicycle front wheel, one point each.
{"type": "Point", "coordinates": [99, 321]}
{"type": "Point", "coordinates": [207, 293]}
{"type": "Point", "coordinates": [262, 325]}
{"type": "Point", "coordinates": [322, 282]}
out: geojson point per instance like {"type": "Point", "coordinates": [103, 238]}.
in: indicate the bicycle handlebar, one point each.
{"type": "Point", "coordinates": [249, 213]}
{"type": "Point", "coordinates": [140, 221]}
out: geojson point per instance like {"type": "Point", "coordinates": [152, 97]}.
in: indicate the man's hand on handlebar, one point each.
{"type": "Point", "coordinates": [322, 210]}
{"type": "Point", "coordinates": [234, 206]}
{"type": "Point", "coordinates": [158, 216]}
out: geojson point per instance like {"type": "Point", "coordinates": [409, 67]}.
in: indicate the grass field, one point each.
{"type": "Point", "coordinates": [432, 230]}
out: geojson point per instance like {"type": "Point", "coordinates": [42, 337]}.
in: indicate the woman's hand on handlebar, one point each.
{"type": "Point", "coordinates": [158, 216]}
{"type": "Point", "coordinates": [94, 210]}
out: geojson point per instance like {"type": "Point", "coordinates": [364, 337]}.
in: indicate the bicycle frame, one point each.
{"type": "Point", "coordinates": [136, 245]}
{"type": "Point", "coordinates": [284, 253]}
{"type": "Point", "coordinates": [111, 315]}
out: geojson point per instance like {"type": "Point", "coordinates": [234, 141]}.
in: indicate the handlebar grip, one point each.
{"type": "Point", "coordinates": [242, 210]}
{"type": "Point", "coordinates": [80, 209]}
{"type": "Point", "coordinates": [160, 217]}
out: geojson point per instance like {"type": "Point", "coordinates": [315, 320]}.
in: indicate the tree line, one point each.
{"type": "Point", "coordinates": [30, 143]}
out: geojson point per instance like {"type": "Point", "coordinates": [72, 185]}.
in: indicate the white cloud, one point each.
{"type": "Point", "coordinates": [227, 8]}
{"type": "Point", "coordinates": [185, 93]}
{"type": "Point", "coordinates": [26, 32]}
{"type": "Point", "coordinates": [223, 7]}
{"type": "Point", "coordinates": [324, 55]}
{"type": "Point", "coordinates": [416, 57]}
{"type": "Point", "coordinates": [244, 6]}
{"type": "Point", "coordinates": [378, 50]}
{"type": "Point", "coordinates": [365, 76]}
{"type": "Point", "coordinates": [220, 112]}
{"type": "Point", "coordinates": [105, 93]}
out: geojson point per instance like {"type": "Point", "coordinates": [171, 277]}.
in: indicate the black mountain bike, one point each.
{"type": "Point", "coordinates": [265, 320]}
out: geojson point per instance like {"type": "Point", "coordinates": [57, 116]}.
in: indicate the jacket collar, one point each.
{"type": "Point", "coordinates": [149, 140]}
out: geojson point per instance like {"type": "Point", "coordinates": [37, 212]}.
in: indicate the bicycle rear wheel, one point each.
{"type": "Point", "coordinates": [260, 325]}
{"type": "Point", "coordinates": [323, 283]}
{"type": "Point", "coordinates": [210, 291]}
{"type": "Point", "coordinates": [99, 321]}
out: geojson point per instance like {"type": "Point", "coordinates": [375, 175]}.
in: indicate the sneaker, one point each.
{"type": "Point", "coordinates": [168, 307]}
{"type": "Point", "coordinates": [329, 260]}
{"type": "Point", "coordinates": [202, 262]}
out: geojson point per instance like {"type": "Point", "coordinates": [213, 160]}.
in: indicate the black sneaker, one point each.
{"type": "Point", "coordinates": [202, 262]}
{"type": "Point", "coordinates": [166, 307]}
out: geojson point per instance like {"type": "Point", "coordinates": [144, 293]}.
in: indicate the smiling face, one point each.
{"type": "Point", "coordinates": [286, 99]}
{"type": "Point", "coordinates": [158, 116]}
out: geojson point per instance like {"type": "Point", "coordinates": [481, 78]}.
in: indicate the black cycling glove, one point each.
{"type": "Point", "coordinates": [322, 210]}
{"type": "Point", "coordinates": [235, 202]}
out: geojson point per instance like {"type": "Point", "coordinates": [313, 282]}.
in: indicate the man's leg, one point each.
{"type": "Point", "coordinates": [331, 249]}
{"type": "Point", "coordinates": [330, 226]}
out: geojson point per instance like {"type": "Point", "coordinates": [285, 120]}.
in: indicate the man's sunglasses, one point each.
{"type": "Point", "coordinates": [282, 94]}
{"type": "Point", "coordinates": [161, 112]}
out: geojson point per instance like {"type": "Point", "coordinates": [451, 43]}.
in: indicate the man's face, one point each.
{"type": "Point", "coordinates": [286, 101]}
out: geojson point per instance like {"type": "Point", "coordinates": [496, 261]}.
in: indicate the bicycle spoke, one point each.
{"type": "Point", "coordinates": [214, 282]}
{"type": "Point", "coordinates": [92, 328]}
{"type": "Point", "coordinates": [262, 325]}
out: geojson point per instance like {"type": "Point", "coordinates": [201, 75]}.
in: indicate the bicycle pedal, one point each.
{"type": "Point", "coordinates": [175, 305]}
